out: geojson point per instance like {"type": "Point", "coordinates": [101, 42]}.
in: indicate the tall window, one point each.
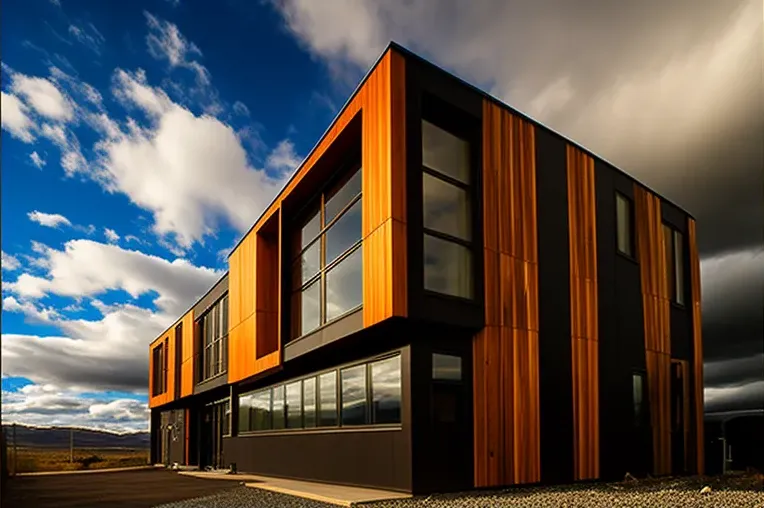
{"type": "Point", "coordinates": [327, 281]}
{"type": "Point", "coordinates": [624, 218]}
{"type": "Point", "coordinates": [638, 385]}
{"type": "Point", "coordinates": [215, 339]}
{"type": "Point", "coordinates": [159, 369]}
{"type": "Point", "coordinates": [674, 243]}
{"type": "Point", "coordinates": [447, 212]}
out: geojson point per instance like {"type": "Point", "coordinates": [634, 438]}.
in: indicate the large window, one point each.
{"type": "Point", "coordinates": [326, 267]}
{"type": "Point", "coordinates": [624, 218]}
{"type": "Point", "coordinates": [159, 360]}
{"type": "Point", "coordinates": [214, 331]}
{"type": "Point", "coordinates": [447, 212]}
{"type": "Point", "coordinates": [674, 244]}
{"type": "Point", "coordinates": [639, 402]}
{"type": "Point", "coordinates": [366, 393]}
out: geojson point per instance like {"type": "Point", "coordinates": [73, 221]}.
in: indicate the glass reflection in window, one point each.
{"type": "Point", "coordinates": [446, 367]}
{"type": "Point", "coordinates": [327, 386]}
{"type": "Point", "coordinates": [386, 390]}
{"type": "Point", "coordinates": [353, 380]}
{"type": "Point", "coordinates": [447, 267]}
{"type": "Point", "coordinates": [294, 405]}
{"type": "Point", "coordinates": [309, 402]}
{"type": "Point", "coordinates": [344, 285]}
{"type": "Point", "coordinates": [445, 153]}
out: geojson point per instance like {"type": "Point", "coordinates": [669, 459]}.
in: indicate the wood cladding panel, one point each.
{"type": "Point", "coordinates": [267, 291]}
{"type": "Point", "coordinates": [582, 229]}
{"type": "Point", "coordinates": [697, 348]}
{"type": "Point", "coordinates": [187, 365]}
{"type": "Point", "coordinates": [505, 352]}
{"type": "Point", "coordinates": [241, 310]}
{"type": "Point", "coordinates": [651, 249]}
{"type": "Point", "coordinates": [384, 192]}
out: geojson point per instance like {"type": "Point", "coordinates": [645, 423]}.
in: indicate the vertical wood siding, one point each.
{"type": "Point", "coordinates": [582, 228]}
{"type": "Point", "coordinates": [697, 348]}
{"type": "Point", "coordinates": [505, 352]}
{"type": "Point", "coordinates": [651, 249]}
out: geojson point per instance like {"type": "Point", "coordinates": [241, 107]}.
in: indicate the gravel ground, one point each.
{"type": "Point", "coordinates": [739, 490]}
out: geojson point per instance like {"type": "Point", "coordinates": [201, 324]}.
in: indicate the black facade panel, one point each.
{"type": "Point", "coordinates": [211, 384]}
{"type": "Point", "coordinates": [212, 296]}
{"type": "Point", "coordinates": [555, 363]}
{"type": "Point", "coordinates": [624, 445]}
{"type": "Point", "coordinates": [441, 98]}
{"type": "Point", "coordinates": [368, 456]}
{"type": "Point", "coordinates": [335, 330]}
{"type": "Point", "coordinates": [379, 458]}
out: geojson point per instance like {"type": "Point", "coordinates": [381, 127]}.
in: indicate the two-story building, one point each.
{"type": "Point", "coordinates": [445, 295]}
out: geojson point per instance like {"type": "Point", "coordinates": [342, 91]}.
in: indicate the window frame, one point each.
{"type": "Point", "coordinates": [342, 177]}
{"type": "Point", "coordinates": [632, 238]}
{"type": "Point", "coordinates": [217, 313]}
{"type": "Point", "coordinates": [676, 273]}
{"type": "Point", "coordinates": [338, 426]}
{"type": "Point", "coordinates": [470, 189]}
{"type": "Point", "coordinates": [642, 419]}
{"type": "Point", "coordinates": [159, 367]}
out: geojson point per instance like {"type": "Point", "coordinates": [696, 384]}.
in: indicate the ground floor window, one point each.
{"type": "Point", "coordinates": [365, 393]}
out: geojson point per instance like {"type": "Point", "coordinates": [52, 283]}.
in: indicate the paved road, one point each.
{"type": "Point", "coordinates": [124, 489]}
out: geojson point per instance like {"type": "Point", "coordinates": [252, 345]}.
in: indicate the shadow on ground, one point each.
{"type": "Point", "coordinates": [124, 489]}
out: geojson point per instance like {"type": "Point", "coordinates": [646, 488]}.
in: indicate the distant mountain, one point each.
{"type": "Point", "coordinates": [58, 437]}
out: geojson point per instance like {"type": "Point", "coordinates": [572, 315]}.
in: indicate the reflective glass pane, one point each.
{"type": "Point", "coordinates": [309, 402]}
{"type": "Point", "coordinates": [447, 267]}
{"type": "Point", "coordinates": [261, 410]}
{"type": "Point", "coordinates": [623, 224]}
{"type": "Point", "coordinates": [310, 230]}
{"type": "Point", "coordinates": [310, 306]}
{"type": "Point", "coordinates": [294, 405]}
{"type": "Point", "coordinates": [386, 390]}
{"type": "Point", "coordinates": [353, 381]}
{"type": "Point", "coordinates": [344, 285]}
{"type": "Point", "coordinates": [444, 152]}
{"type": "Point", "coordinates": [245, 408]}
{"type": "Point", "coordinates": [307, 265]}
{"type": "Point", "coordinates": [336, 202]}
{"type": "Point", "coordinates": [327, 386]}
{"type": "Point", "coordinates": [224, 315]}
{"type": "Point", "coordinates": [668, 242]}
{"type": "Point", "coordinates": [343, 233]}
{"type": "Point", "coordinates": [446, 367]}
{"type": "Point", "coordinates": [278, 407]}
{"type": "Point", "coordinates": [679, 267]}
{"type": "Point", "coordinates": [446, 207]}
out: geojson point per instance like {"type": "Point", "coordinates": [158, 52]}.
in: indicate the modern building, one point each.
{"type": "Point", "coordinates": [445, 295]}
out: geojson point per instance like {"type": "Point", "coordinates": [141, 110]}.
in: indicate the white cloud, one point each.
{"type": "Point", "coordinates": [240, 108]}
{"type": "Point", "coordinates": [51, 220]}
{"type": "Point", "coordinates": [9, 262]}
{"type": "Point", "coordinates": [89, 36]}
{"type": "Point", "coordinates": [111, 235]}
{"type": "Point", "coordinates": [108, 353]}
{"type": "Point", "coordinates": [57, 3]}
{"type": "Point", "coordinates": [37, 160]}
{"type": "Point", "coordinates": [15, 118]}
{"type": "Point", "coordinates": [190, 171]}
{"type": "Point", "coordinates": [43, 96]}
{"type": "Point", "coordinates": [165, 42]}
{"type": "Point", "coordinates": [50, 405]}
{"type": "Point", "coordinates": [283, 157]}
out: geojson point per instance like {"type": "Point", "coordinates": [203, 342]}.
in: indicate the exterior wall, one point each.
{"type": "Point", "coordinates": [559, 324]}
{"type": "Point", "coordinates": [364, 456]}
{"type": "Point", "coordinates": [186, 364]}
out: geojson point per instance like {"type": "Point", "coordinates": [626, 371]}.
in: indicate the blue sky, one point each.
{"type": "Point", "coordinates": [141, 139]}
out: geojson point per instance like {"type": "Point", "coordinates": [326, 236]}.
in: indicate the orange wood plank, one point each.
{"type": "Point", "coordinates": [656, 305]}
{"type": "Point", "coordinates": [582, 228]}
{"type": "Point", "coordinates": [506, 394]}
{"type": "Point", "coordinates": [697, 347]}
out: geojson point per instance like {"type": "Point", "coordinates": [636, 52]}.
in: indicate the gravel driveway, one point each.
{"type": "Point", "coordinates": [740, 490]}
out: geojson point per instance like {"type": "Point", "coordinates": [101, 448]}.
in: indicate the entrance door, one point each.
{"type": "Point", "coordinates": [680, 413]}
{"type": "Point", "coordinates": [165, 438]}
{"type": "Point", "coordinates": [449, 424]}
{"type": "Point", "coordinates": [214, 426]}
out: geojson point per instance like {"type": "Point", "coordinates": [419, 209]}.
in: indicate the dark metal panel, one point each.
{"type": "Point", "coordinates": [438, 96]}
{"type": "Point", "coordinates": [624, 447]}
{"type": "Point", "coordinates": [555, 363]}
{"type": "Point", "coordinates": [211, 384]}
{"type": "Point", "coordinates": [214, 294]}
{"type": "Point", "coordinates": [333, 331]}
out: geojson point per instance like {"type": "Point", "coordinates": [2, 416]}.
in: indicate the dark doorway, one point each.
{"type": "Point", "coordinates": [164, 438]}
{"type": "Point", "coordinates": [215, 425]}
{"type": "Point", "coordinates": [452, 458]}
{"type": "Point", "coordinates": [679, 416]}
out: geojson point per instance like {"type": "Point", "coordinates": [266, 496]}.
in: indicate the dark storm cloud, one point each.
{"type": "Point", "coordinates": [671, 92]}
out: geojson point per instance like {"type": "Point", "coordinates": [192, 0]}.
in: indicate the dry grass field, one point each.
{"type": "Point", "coordinates": [32, 460]}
